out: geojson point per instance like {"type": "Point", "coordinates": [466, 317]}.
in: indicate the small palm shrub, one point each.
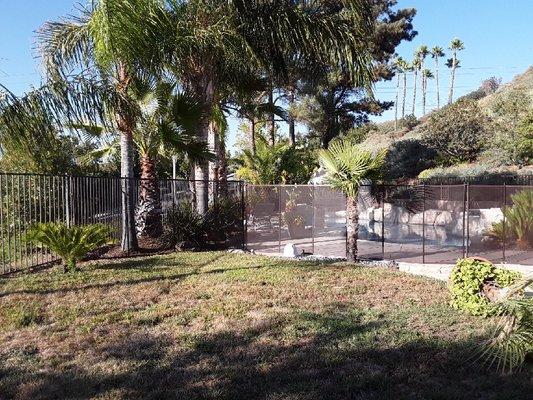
{"type": "Point", "coordinates": [475, 284]}
{"type": "Point", "coordinates": [518, 221]}
{"type": "Point", "coordinates": [69, 243]}
{"type": "Point", "coordinates": [512, 340]}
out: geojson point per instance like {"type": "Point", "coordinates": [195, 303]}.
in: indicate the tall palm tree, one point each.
{"type": "Point", "coordinates": [399, 65]}
{"type": "Point", "coordinates": [426, 74]}
{"type": "Point", "coordinates": [436, 53]}
{"type": "Point", "coordinates": [456, 45]}
{"type": "Point", "coordinates": [421, 53]}
{"type": "Point", "coordinates": [404, 67]}
{"type": "Point", "coordinates": [95, 44]}
{"type": "Point", "coordinates": [347, 167]}
{"type": "Point", "coordinates": [415, 67]}
{"type": "Point", "coordinates": [209, 41]}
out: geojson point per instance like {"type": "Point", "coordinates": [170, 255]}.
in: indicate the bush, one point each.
{"type": "Point", "coordinates": [518, 221]}
{"type": "Point", "coordinates": [407, 158]}
{"type": "Point", "coordinates": [457, 132]}
{"type": "Point", "coordinates": [471, 282]}
{"type": "Point", "coordinates": [69, 243]}
{"type": "Point", "coordinates": [184, 227]}
{"type": "Point", "coordinates": [408, 122]}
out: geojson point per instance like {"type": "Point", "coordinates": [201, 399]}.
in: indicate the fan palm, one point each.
{"type": "Point", "coordinates": [453, 63]}
{"type": "Point", "coordinates": [347, 168]}
{"type": "Point", "coordinates": [436, 53]}
{"type": "Point", "coordinates": [426, 75]}
{"type": "Point", "coordinates": [403, 66]}
{"type": "Point", "coordinates": [399, 64]}
{"type": "Point", "coordinates": [415, 67]}
{"type": "Point", "coordinates": [207, 42]}
{"type": "Point", "coordinates": [421, 53]}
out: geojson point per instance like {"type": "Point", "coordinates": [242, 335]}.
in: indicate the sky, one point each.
{"type": "Point", "coordinates": [497, 35]}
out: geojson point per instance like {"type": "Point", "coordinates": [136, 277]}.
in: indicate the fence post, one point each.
{"type": "Point", "coordinates": [383, 222]}
{"type": "Point", "coordinates": [504, 206]}
{"type": "Point", "coordinates": [244, 217]}
{"type": "Point", "coordinates": [423, 223]}
{"type": "Point", "coordinates": [67, 199]}
{"type": "Point", "coordinates": [464, 219]}
{"type": "Point", "coordinates": [279, 219]}
{"type": "Point", "coordinates": [313, 220]}
{"type": "Point", "coordinates": [467, 218]}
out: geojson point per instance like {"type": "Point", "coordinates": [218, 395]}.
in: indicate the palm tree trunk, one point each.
{"type": "Point", "coordinates": [125, 127]}
{"type": "Point", "coordinates": [414, 90]}
{"type": "Point", "coordinates": [213, 165]}
{"type": "Point", "coordinates": [352, 228]}
{"type": "Point", "coordinates": [452, 79]}
{"type": "Point", "coordinates": [222, 168]}
{"type": "Point", "coordinates": [272, 117]}
{"type": "Point", "coordinates": [252, 135]}
{"type": "Point", "coordinates": [424, 83]}
{"type": "Point", "coordinates": [396, 102]}
{"type": "Point", "coordinates": [148, 219]}
{"type": "Point", "coordinates": [404, 93]}
{"type": "Point", "coordinates": [437, 80]}
{"type": "Point", "coordinates": [292, 133]}
{"type": "Point", "coordinates": [204, 88]}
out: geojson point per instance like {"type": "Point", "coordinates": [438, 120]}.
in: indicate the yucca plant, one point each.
{"type": "Point", "coordinates": [512, 341]}
{"type": "Point", "coordinates": [69, 243]}
{"type": "Point", "coordinates": [518, 221]}
{"type": "Point", "coordinates": [347, 167]}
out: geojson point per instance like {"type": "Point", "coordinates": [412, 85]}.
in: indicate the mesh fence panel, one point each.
{"type": "Point", "coordinates": [330, 222]}
{"type": "Point", "coordinates": [263, 216]}
{"type": "Point", "coordinates": [517, 225]}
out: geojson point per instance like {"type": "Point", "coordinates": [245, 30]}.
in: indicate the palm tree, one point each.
{"type": "Point", "coordinates": [95, 44]}
{"type": "Point", "coordinates": [453, 63]}
{"type": "Point", "coordinates": [399, 65]}
{"type": "Point", "coordinates": [436, 53]}
{"type": "Point", "coordinates": [421, 53]}
{"type": "Point", "coordinates": [207, 42]}
{"type": "Point", "coordinates": [403, 67]}
{"type": "Point", "coordinates": [415, 67]}
{"type": "Point", "coordinates": [426, 74]}
{"type": "Point", "coordinates": [347, 167]}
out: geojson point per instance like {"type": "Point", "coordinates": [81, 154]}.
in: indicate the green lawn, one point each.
{"type": "Point", "coordinates": [226, 326]}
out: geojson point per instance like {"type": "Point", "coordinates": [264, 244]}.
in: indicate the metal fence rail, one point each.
{"type": "Point", "coordinates": [413, 223]}
{"type": "Point", "coordinates": [26, 199]}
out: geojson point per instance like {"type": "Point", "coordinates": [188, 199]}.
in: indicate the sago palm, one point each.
{"type": "Point", "coordinates": [69, 243]}
{"type": "Point", "coordinates": [347, 168]}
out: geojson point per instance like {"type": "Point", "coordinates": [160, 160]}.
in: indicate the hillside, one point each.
{"type": "Point", "coordinates": [504, 110]}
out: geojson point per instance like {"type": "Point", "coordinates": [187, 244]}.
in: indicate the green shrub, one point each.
{"type": "Point", "coordinates": [518, 221]}
{"type": "Point", "coordinates": [457, 132]}
{"type": "Point", "coordinates": [184, 227]}
{"type": "Point", "coordinates": [407, 158]}
{"type": "Point", "coordinates": [408, 122]}
{"type": "Point", "coordinates": [467, 283]}
{"type": "Point", "coordinates": [69, 243]}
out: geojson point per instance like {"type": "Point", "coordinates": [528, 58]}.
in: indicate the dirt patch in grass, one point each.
{"type": "Point", "coordinates": [226, 326]}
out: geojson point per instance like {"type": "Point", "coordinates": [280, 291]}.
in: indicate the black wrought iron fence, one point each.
{"type": "Point", "coordinates": [412, 223]}
{"type": "Point", "coordinates": [26, 199]}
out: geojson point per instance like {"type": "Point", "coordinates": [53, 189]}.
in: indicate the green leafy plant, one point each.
{"type": "Point", "coordinates": [518, 221]}
{"type": "Point", "coordinates": [69, 243]}
{"type": "Point", "coordinates": [185, 228]}
{"type": "Point", "coordinates": [475, 284]}
{"type": "Point", "coordinates": [512, 340]}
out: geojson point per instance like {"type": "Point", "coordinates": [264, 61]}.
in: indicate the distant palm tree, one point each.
{"type": "Point", "coordinates": [453, 63]}
{"type": "Point", "coordinates": [404, 67]}
{"type": "Point", "coordinates": [437, 52]}
{"type": "Point", "coordinates": [415, 67]}
{"type": "Point", "coordinates": [426, 74]}
{"type": "Point", "coordinates": [399, 65]}
{"type": "Point", "coordinates": [347, 167]}
{"type": "Point", "coordinates": [422, 52]}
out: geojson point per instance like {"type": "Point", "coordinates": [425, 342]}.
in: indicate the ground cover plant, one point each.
{"type": "Point", "coordinates": [229, 326]}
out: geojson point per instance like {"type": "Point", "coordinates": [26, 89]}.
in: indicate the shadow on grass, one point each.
{"type": "Point", "coordinates": [335, 361]}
